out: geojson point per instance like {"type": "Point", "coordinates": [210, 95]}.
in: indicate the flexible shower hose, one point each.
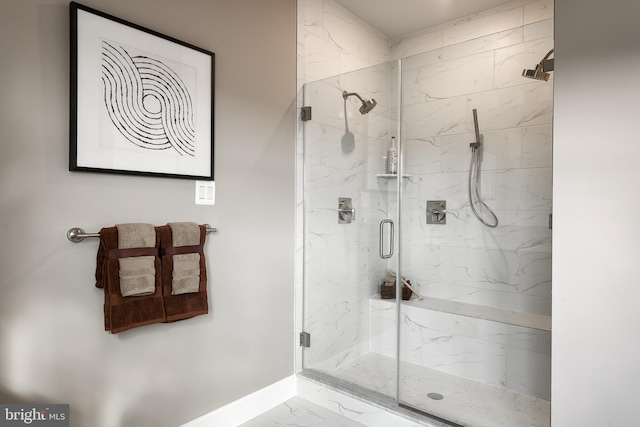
{"type": "Point", "coordinates": [475, 164]}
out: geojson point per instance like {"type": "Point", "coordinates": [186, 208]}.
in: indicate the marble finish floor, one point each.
{"type": "Point", "coordinates": [464, 402]}
{"type": "Point", "coordinates": [298, 412]}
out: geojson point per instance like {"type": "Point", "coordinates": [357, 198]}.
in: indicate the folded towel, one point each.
{"type": "Point", "coordinates": [184, 272]}
{"type": "Point", "coordinates": [185, 277]}
{"type": "Point", "coordinates": [388, 289]}
{"type": "Point", "coordinates": [136, 235]}
{"type": "Point", "coordinates": [125, 312]}
{"type": "Point", "coordinates": [137, 274]}
{"type": "Point", "coordinates": [185, 233]}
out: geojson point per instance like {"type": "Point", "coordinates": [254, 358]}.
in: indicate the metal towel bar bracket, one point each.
{"type": "Point", "coordinates": [77, 235]}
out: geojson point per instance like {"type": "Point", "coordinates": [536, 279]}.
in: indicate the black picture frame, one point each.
{"type": "Point", "coordinates": [141, 102]}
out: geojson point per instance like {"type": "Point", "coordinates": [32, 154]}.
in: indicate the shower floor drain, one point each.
{"type": "Point", "coordinates": [435, 396]}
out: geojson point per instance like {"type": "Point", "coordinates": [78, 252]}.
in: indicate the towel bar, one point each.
{"type": "Point", "coordinates": [77, 235]}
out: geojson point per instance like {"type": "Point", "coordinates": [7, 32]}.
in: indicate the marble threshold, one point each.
{"type": "Point", "coordinates": [365, 406]}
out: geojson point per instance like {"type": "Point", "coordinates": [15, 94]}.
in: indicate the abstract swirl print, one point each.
{"type": "Point", "coordinates": [147, 102]}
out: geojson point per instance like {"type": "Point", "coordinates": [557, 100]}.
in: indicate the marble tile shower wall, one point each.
{"type": "Point", "coordinates": [508, 267]}
{"type": "Point", "coordinates": [335, 41]}
{"type": "Point", "coordinates": [339, 153]}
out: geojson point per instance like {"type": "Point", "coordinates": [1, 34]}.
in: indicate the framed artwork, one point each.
{"type": "Point", "coordinates": [141, 102]}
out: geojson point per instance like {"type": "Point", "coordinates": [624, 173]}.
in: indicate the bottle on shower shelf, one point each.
{"type": "Point", "coordinates": [392, 157]}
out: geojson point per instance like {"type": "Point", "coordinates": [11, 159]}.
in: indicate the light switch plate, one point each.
{"type": "Point", "coordinates": [205, 193]}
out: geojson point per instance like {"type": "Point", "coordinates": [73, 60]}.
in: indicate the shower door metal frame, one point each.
{"type": "Point", "coordinates": [398, 267]}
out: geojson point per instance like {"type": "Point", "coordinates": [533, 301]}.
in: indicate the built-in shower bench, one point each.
{"type": "Point", "coordinates": [510, 317]}
{"type": "Point", "coordinates": [502, 348]}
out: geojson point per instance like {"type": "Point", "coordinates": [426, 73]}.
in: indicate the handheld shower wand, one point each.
{"type": "Point", "coordinates": [475, 164]}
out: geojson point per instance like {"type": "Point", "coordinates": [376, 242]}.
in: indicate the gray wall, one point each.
{"type": "Point", "coordinates": [52, 344]}
{"type": "Point", "coordinates": [596, 257]}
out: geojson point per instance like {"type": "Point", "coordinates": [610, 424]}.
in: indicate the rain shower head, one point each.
{"type": "Point", "coordinates": [541, 71]}
{"type": "Point", "coordinates": [367, 105]}
{"type": "Point", "coordinates": [537, 74]}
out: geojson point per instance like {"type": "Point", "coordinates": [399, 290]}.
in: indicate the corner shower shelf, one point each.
{"type": "Point", "coordinates": [391, 176]}
{"type": "Point", "coordinates": [510, 317]}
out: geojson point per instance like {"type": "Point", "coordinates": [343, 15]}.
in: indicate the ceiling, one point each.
{"type": "Point", "coordinates": [396, 18]}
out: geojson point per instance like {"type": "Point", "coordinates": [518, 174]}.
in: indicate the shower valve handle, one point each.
{"type": "Point", "coordinates": [346, 209]}
{"type": "Point", "coordinates": [439, 214]}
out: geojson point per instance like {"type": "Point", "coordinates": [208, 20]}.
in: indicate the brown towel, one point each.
{"type": "Point", "coordinates": [123, 313]}
{"type": "Point", "coordinates": [388, 289]}
{"type": "Point", "coordinates": [183, 305]}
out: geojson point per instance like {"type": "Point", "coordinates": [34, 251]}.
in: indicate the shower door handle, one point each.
{"type": "Point", "coordinates": [381, 243]}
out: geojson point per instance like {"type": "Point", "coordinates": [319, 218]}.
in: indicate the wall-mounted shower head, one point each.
{"type": "Point", "coordinates": [367, 105]}
{"type": "Point", "coordinates": [541, 71]}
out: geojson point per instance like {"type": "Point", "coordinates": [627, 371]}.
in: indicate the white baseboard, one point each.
{"type": "Point", "coordinates": [250, 406]}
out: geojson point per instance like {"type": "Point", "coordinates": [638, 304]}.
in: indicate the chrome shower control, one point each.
{"type": "Point", "coordinates": [436, 212]}
{"type": "Point", "coordinates": [346, 212]}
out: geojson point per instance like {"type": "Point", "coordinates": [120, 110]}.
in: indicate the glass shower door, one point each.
{"type": "Point", "coordinates": [352, 332]}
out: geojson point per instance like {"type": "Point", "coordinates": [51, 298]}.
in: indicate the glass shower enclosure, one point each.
{"type": "Point", "coordinates": [472, 344]}
{"type": "Point", "coordinates": [344, 157]}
